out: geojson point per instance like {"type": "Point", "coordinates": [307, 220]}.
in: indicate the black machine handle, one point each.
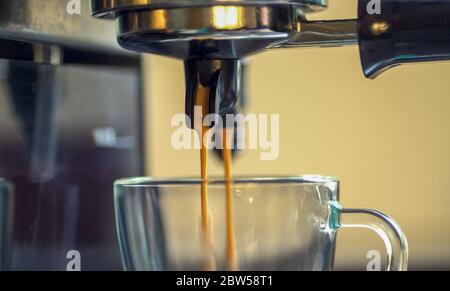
{"type": "Point", "coordinates": [394, 32]}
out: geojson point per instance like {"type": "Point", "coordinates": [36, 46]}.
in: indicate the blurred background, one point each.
{"type": "Point", "coordinates": [387, 139]}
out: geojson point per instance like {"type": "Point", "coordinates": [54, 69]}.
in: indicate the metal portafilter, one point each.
{"type": "Point", "coordinates": [212, 37]}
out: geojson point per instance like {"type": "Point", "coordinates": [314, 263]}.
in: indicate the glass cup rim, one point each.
{"type": "Point", "coordinates": [154, 182]}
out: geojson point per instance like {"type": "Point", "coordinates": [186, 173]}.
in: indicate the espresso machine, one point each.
{"type": "Point", "coordinates": [214, 37]}
{"type": "Point", "coordinates": [70, 124]}
{"type": "Point", "coordinates": [71, 101]}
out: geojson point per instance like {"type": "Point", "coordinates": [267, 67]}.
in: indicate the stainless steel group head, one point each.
{"type": "Point", "coordinates": [212, 36]}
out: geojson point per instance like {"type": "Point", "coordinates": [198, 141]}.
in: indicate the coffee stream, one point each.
{"type": "Point", "coordinates": [208, 247]}
{"type": "Point", "coordinates": [227, 159]}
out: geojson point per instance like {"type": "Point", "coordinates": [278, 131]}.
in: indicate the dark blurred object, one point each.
{"type": "Point", "coordinates": [6, 223]}
{"type": "Point", "coordinates": [402, 31]}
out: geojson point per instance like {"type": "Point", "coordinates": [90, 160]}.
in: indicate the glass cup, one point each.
{"type": "Point", "coordinates": [278, 224]}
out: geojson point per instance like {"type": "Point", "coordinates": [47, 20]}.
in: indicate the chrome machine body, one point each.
{"type": "Point", "coordinates": [63, 139]}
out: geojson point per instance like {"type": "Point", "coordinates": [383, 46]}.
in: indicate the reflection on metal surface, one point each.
{"type": "Point", "coordinates": [43, 148]}
{"type": "Point", "coordinates": [207, 32]}
{"type": "Point", "coordinates": [324, 34]}
{"type": "Point", "coordinates": [379, 27]}
{"type": "Point", "coordinates": [110, 8]}
{"type": "Point", "coordinates": [47, 54]}
{"type": "Point", "coordinates": [206, 21]}
{"type": "Point", "coordinates": [228, 17]}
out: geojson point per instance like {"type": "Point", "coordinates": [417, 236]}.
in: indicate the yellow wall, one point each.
{"type": "Point", "coordinates": [387, 140]}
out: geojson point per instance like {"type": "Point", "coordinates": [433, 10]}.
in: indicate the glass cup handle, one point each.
{"type": "Point", "coordinates": [385, 227]}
